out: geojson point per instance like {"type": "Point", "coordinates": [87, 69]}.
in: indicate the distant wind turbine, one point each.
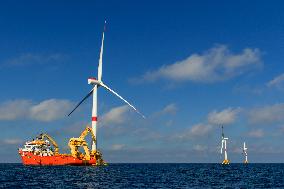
{"type": "Point", "coordinates": [245, 149]}
{"type": "Point", "coordinates": [224, 148]}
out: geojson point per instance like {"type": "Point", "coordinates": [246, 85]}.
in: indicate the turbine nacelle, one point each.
{"type": "Point", "coordinates": [93, 81]}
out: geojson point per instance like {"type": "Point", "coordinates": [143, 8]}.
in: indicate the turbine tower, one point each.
{"type": "Point", "coordinates": [245, 153]}
{"type": "Point", "coordinates": [224, 148]}
{"type": "Point", "coordinates": [96, 83]}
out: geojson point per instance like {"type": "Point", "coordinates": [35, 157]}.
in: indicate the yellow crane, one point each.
{"type": "Point", "coordinates": [41, 138]}
{"type": "Point", "coordinates": [75, 143]}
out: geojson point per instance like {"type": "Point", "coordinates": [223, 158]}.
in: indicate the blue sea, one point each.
{"type": "Point", "coordinates": [144, 176]}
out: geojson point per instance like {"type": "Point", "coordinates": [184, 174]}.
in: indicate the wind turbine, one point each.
{"type": "Point", "coordinates": [245, 153]}
{"type": "Point", "coordinates": [224, 148]}
{"type": "Point", "coordinates": [96, 83]}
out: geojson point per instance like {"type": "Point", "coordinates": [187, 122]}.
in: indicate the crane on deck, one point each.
{"type": "Point", "coordinates": [76, 143]}
{"type": "Point", "coordinates": [44, 136]}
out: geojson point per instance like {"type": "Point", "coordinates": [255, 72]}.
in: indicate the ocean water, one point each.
{"type": "Point", "coordinates": [144, 176]}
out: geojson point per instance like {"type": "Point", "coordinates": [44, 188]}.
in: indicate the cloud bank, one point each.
{"type": "Point", "coordinates": [267, 114]}
{"type": "Point", "coordinates": [117, 115]}
{"type": "Point", "coordinates": [45, 111]}
{"type": "Point", "coordinates": [215, 118]}
{"type": "Point", "coordinates": [224, 117]}
{"type": "Point", "coordinates": [35, 59]}
{"type": "Point", "coordinates": [277, 82]}
{"type": "Point", "coordinates": [256, 133]}
{"type": "Point", "coordinates": [216, 64]}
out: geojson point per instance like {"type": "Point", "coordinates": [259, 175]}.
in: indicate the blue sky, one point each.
{"type": "Point", "coordinates": [189, 66]}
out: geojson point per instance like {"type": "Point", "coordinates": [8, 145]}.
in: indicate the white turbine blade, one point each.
{"type": "Point", "coordinates": [109, 89]}
{"type": "Point", "coordinates": [100, 67]}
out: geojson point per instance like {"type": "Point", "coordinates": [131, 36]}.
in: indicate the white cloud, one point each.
{"type": "Point", "coordinates": [237, 150]}
{"type": "Point", "coordinates": [48, 110]}
{"type": "Point", "coordinates": [248, 89]}
{"type": "Point", "coordinates": [12, 141]}
{"type": "Point", "coordinates": [14, 109]}
{"type": "Point", "coordinates": [31, 58]}
{"type": "Point", "coordinates": [216, 64]}
{"type": "Point", "coordinates": [197, 130]}
{"type": "Point", "coordinates": [199, 148]}
{"type": "Point", "coordinates": [117, 147]}
{"type": "Point", "coordinates": [200, 129]}
{"type": "Point", "coordinates": [224, 117]}
{"type": "Point", "coordinates": [256, 133]}
{"type": "Point", "coordinates": [169, 123]}
{"type": "Point", "coordinates": [117, 115]}
{"type": "Point", "coordinates": [267, 114]}
{"type": "Point", "coordinates": [278, 81]}
{"type": "Point", "coordinates": [169, 109]}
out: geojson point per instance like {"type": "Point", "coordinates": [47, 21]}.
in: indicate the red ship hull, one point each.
{"type": "Point", "coordinates": [29, 158]}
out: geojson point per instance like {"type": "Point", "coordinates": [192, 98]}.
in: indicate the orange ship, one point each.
{"type": "Point", "coordinates": [41, 152]}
